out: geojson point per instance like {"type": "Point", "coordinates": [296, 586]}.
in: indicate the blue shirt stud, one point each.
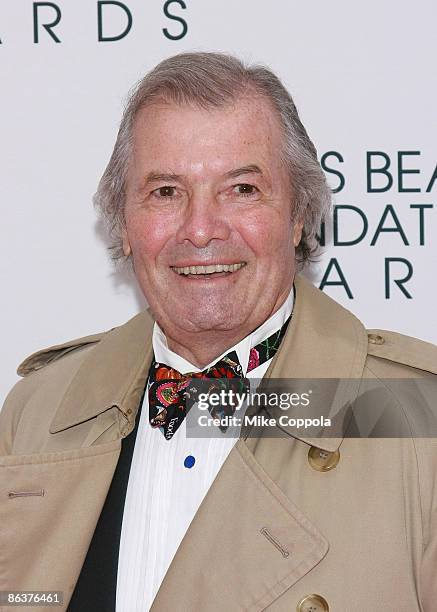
{"type": "Point", "coordinates": [189, 461]}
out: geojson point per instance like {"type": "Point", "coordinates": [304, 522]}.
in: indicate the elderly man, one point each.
{"type": "Point", "coordinates": [215, 194]}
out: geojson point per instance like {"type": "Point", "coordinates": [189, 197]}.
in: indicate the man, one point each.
{"type": "Point", "coordinates": [215, 194]}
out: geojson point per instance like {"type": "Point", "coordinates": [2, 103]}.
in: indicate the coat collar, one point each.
{"type": "Point", "coordinates": [113, 375]}
{"type": "Point", "coordinates": [323, 340]}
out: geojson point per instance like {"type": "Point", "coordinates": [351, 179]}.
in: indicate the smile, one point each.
{"type": "Point", "coordinates": [212, 269]}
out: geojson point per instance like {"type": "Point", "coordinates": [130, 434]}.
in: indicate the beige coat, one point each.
{"type": "Point", "coordinates": [362, 535]}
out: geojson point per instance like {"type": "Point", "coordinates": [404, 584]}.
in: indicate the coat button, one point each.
{"type": "Point", "coordinates": [312, 603]}
{"type": "Point", "coordinates": [322, 460]}
{"type": "Point", "coordinates": [375, 339]}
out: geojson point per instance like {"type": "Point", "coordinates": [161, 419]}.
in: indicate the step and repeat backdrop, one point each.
{"type": "Point", "coordinates": [362, 75]}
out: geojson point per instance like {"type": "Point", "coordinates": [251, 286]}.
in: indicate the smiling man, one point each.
{"type": "Point", "coordinates": [215, 195]}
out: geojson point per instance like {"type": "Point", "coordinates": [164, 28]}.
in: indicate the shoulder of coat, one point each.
{"type": "Point", "coordinates": [140, 325]}
{"type": "Point", "coordinates": [43, 357]}
{"type": "Point", "coordinates": [402, 349]}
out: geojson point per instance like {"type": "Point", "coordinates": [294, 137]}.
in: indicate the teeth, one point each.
{"type": "Point", "coordinates": [209, 269]}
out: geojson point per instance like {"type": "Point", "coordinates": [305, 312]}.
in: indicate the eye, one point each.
{"type": "Point", "coordinates": [167, 191]}
{"type": "Point", "coordinates": [245, 189]}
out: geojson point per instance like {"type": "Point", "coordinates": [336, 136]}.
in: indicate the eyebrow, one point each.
{"type": "Point", "coordinates": [154, 177]}
{"type": "Point", "coordinates": [250, 169]}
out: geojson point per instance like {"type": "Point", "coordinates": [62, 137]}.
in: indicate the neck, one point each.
{"type": "Point", "coordinates": [204, 346]}
{"type": "Point", "coordinates": [204, 349]}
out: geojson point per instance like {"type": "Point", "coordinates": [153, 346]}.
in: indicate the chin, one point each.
{"type": "Point", "coordinates": [208, 321]}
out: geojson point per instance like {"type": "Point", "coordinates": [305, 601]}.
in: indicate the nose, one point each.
{"type": "Point", "coordinates": [203, 220]}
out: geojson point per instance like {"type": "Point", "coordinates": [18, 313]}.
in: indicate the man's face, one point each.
{"type": "Point", "coordinates": [209, 216]}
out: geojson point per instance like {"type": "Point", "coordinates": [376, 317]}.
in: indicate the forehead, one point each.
{"type": "Point", "coordinates": [246, 131]}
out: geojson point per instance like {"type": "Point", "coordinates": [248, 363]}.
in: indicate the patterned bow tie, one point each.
{"type": "Point", "coordinates": [172, 394]}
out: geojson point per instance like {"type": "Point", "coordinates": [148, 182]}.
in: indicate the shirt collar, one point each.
{"type": "Point", "coordinates": [164, 355]}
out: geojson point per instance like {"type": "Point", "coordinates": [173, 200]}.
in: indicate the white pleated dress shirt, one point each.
{"type": "Point", "coordinates": [163, 495]}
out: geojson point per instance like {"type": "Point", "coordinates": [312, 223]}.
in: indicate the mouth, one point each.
{"type": "Point", "coordinates": [210, 271]}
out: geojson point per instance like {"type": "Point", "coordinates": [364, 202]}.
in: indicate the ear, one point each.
{"type": "Point", "coordinates": [125, 242]}
{"type": "Point", "coordinates": [297, 232]}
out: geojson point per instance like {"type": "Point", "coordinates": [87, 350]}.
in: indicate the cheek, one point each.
{"type": "Point", "coordinates": [268, 233]}
{"type": "Point", "coordinates": [147, 236]}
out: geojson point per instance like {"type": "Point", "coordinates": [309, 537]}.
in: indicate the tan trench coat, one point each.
{"type": "Point", "coordinates": [362, 535]}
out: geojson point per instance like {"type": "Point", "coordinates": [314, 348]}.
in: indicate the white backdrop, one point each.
{"type": "Point", "coordinates": [362, 75]}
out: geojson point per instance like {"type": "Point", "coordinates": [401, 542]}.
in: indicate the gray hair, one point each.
{"type": "Point", "coordinates": [211, 80]}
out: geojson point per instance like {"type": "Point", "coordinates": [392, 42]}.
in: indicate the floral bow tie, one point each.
{"type": "Point", "coordinates": [172, 394]}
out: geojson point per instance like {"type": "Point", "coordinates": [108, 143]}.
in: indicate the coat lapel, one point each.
{"type": "Point", "coordinates": [325, 349]}
{"type": "Point", "coordinates": [240, 555]}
